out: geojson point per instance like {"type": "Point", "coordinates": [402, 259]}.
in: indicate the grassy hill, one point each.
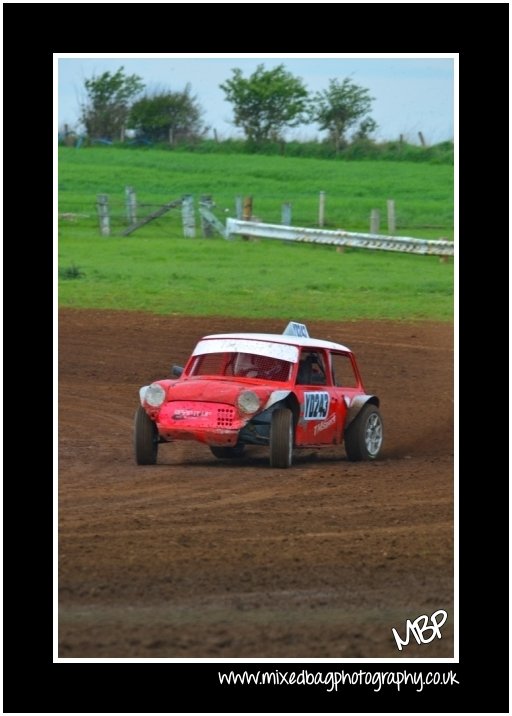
{"type": "Point", "coordinates": [155, 269]}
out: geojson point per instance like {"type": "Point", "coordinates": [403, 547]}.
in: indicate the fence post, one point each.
{"type": "Point", "coordinates": [103, 214]}
{"type": "Point", "coordinates": [391, 216]}
{"type": "Point", "coordinates": [247, 213]}
{"type": "Point", "coordinates": [238, 207]}
{"type": "Point", "coordinates": [422, 139]}
{"type": "Point", "coordinates": [286, 214]}
{"type": "Point", "coordinates": [247, 209]}
{"type": "Point", "coordinates": [131, 205]}
{"type": "Point", "coordinates": [187, 216]}
{"type": "Point", "coordinates": [321, 209]}
{"type": "Point", "coordinates": [206, 227]}
{"type": "Point", "coordinates": [374, 221]}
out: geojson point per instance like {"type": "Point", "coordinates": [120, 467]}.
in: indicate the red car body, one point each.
{"type": "Point", "coordinates": [285, 391]}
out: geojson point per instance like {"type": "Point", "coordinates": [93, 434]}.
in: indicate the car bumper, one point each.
{"type": "Point", "coordinates": [211, 423]}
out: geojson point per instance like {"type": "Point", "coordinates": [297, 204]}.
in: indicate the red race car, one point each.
{"type": "Point", "coordinates": [283, 391]}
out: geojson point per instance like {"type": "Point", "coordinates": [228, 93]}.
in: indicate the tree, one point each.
{"type": "Point", "coordinates": [167, 116]}
{"type": "Point", "coordinates": [266, 102]}
{"type": "Point", "coordinates": [339, 107]}
{"type": "Point", "coordinates": [106, 110]}
{"type": "Point", "coordinates": [366, 127]}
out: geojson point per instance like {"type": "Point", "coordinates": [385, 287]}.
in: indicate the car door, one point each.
{"type": "Point", "coordinates": [346, 380]}
{"type": "Point", "coordinates": [322, 408]}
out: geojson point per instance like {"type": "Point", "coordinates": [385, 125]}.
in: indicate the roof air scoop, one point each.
{"type": "Point", "coordinates": [296, 329]}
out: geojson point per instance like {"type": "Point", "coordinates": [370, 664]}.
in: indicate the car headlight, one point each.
{"type": "Point", "coordinates": [155, 395]}
{"type": "Point", "coordinates": [248, 401]}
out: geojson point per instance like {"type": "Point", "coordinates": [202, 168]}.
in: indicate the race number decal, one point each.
{"type": "Point", "coordinates": [316, 405]}
{"type": "Point", "coordinates": [296, 329]}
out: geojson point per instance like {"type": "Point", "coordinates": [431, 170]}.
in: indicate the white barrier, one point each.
{"type": "Point", "coordinates": [340, 238]}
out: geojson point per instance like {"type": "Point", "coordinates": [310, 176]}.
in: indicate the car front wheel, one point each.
{"type": "Point", "coordinates": [145, 438]}
{"type": "Point", "coordinates": [363, 437]}
{"type": "Point", "coordinates": [281, 438]}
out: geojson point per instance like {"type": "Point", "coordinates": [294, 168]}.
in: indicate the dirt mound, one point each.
{"type": "Point", "coordinates": [197, 557]}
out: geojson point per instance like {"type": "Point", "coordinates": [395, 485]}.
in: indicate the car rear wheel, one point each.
{"type": "Point", "coordinates": [281, 438]}
{"type": "Point", "coordinates": [227, 452]}
{"type": "Point", "coordinates": [145, 438]}
{"type": "Point", "coordinates": [363, 437]}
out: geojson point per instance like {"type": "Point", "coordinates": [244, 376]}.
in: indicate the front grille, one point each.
{"type": "Point", "coordinates": [225, 417]}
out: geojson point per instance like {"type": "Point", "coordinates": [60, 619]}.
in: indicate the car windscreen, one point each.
{"type": "Point", "coordinates": [241, 365]}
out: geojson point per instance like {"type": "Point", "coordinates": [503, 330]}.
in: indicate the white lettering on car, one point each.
{"type": "Point", "coordinates": [316, 405]}
{"type": "Point", "coordinates": [325, 424]}
{"type": "Point", "coordinates": [184, 413]}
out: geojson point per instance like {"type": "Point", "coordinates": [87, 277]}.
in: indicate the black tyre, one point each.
{"type": "Point", "coordinates": [145, 438]}
{"type": "Point", "coordinates": [281, 438]}
{"type": "Point", "coordinates": [227, 452]}
{"type": "Point", "coordinates": [363, 437]}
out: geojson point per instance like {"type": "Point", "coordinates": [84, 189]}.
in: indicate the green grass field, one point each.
{"type": "Point", "coordinates": [157, 270]}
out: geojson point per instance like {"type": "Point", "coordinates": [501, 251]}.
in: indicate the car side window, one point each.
{"type": "Point", "coordinates": [311, 369]}
{"type": "Point", "coordinates": [343, 372]}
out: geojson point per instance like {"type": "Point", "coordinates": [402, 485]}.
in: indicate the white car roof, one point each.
{"type": "Point", "coordinates": [281, 338]}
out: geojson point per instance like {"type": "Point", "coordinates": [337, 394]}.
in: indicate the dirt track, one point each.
{"type": "Point", "coordinates": [196, 557]}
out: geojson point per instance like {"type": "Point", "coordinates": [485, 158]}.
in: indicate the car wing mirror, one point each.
{"type": "Point", "coordinates": [176, 370]}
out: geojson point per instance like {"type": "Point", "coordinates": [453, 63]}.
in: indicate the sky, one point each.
{"type": "Point", "coordinates": [411, 94]}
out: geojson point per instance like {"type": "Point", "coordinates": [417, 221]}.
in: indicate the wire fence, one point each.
{"type": "Point", "coordinates": [115, 215]}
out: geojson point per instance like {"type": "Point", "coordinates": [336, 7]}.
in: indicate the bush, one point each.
{"type": "Point", "coordinates": [70, 272]}
{"type": "Point", "coordinates": [358, 149]}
